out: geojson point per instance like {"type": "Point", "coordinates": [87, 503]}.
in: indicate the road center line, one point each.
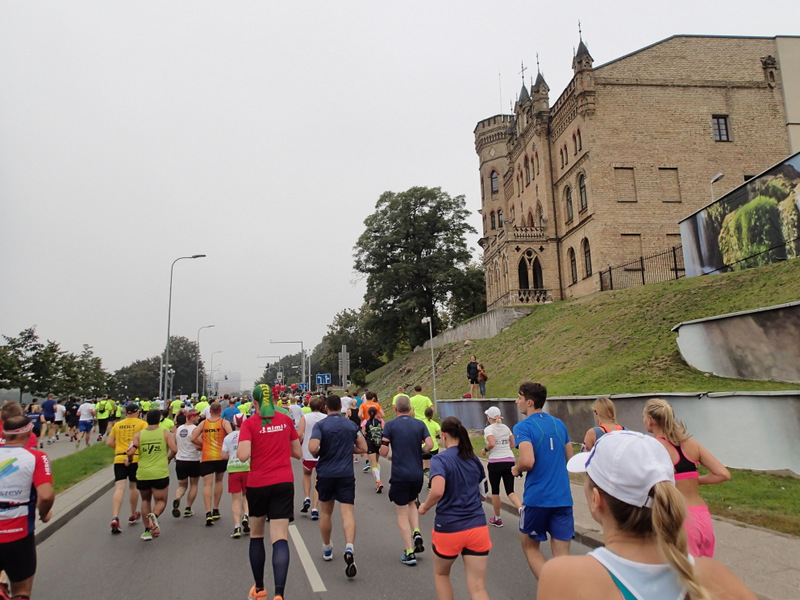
{"type": "Point", "coordinates": [312, 574]}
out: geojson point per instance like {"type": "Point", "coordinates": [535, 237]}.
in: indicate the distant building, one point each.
{"type": "Point", "coordinates": [629, 148]}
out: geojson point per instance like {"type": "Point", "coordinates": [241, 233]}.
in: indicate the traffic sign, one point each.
{"type": "Point", "coordinates": [323, 378]}
{"type": "Point", "coordinates": [302, 386]}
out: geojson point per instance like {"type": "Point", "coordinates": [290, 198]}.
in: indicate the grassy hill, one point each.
{"type": "Point", "coordinates": [606, 343]}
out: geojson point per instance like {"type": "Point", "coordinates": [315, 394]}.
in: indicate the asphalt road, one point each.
{"type": "Point", "coordinates": [194, 562]}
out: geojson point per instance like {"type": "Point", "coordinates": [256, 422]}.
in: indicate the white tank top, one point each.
{"type": "Point", "coordinates": [643, 581]}
{"type": "Point", "coordinates": [312, 419]}
{"type": "Point", "coordinates": [186, 449]}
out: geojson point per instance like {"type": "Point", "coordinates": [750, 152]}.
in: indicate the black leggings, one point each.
{"type": "Point", "coordinates": [501, 471]}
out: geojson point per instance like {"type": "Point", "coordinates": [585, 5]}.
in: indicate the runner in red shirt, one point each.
{"type": "Point", "coordinates": [26, 485]}
{"type": "Point", "coordinates": [269, 440]}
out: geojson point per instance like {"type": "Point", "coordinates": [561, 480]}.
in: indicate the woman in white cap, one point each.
{"type": "Point", "coordinates": [630, 489]}
{"type": "Point", "coordinates": [499, 442]}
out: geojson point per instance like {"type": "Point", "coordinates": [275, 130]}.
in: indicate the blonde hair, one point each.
{"type": "Point", "coordinates": [664, 417]}
{"type": "Point", "coordinates": [664, 521]}
{"type": "Point", "coordinates": [604, 408]}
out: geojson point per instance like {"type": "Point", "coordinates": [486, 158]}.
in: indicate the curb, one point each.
{"type": "Point", "coordinates": [75, 499]}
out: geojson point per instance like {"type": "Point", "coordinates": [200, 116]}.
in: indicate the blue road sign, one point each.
{"type": "Point", "coordinates": [302, 386]}
{"type": "Point", "coordinates": [323, 378]}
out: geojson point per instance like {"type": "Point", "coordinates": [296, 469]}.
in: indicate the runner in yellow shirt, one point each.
{"type": "Point", "coordinates": [120, 438]}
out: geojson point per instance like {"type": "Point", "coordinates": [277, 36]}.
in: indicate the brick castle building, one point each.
{"type": "Point", "coordinates": [603, 175]}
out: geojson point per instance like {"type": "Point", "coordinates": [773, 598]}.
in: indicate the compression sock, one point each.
{"type": "Point", "coordinates": [280, 565]}
{"type": "Point", "coordinates": [258, 556]}
{"type": "Point", "coordinates": [376, 472]}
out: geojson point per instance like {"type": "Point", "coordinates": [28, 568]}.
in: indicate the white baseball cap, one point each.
{"type": "Point", "coordinates": [492, 412]}
{"type": "Point", "coordinates": [626, 465]}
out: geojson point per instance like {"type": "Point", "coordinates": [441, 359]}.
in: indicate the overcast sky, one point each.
{"type": "Point", "coordinates": [260, 134]}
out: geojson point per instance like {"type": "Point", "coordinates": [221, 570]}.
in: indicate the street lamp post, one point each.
{"type": "Point", "coordinates": [429, 321]}
{"type": "Point", "coordinates": [169, 322]}
{"type": "Point", "coordinates": [212, 366]}
{"type": "Point", "coordinates": [302, 356]}
{"type": "Point", "coordinates": [716, 178]}
{"type": "Point", "coordinates": [197, 378]}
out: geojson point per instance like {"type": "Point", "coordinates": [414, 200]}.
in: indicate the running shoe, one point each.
{"type": "Point", "coordinates": [176, 508]}
{"type": "Point", "coordinates": [350, 564]}
{"type": "Point", "coordinates": [496, 521]}
{"type": "Point", "coordinates": [115, 528]}
{"type": "Point", "coordinates": [187, 512]}
{"type": "Point", "coordinates": [314, 514]}
{"type": "Point", "coordinates": [409, 558]}
{"type": "Point", "coordinates": [254, 595]}
{"type": "Point", "coordinates": [57, 438]}
{"type": "Point", "coordinates": [365, 469]}
{"type": "Point", "coordinates": [327, 554]}
{"type": "Point", "coordinates": [245, 524]}
{"type": "Point", "coordinates": [419, 547]}
{"type": "Point", "coordinates": [99, 438]}
{"type": "Point", "coordinates": [134, 517]}
{"type": "Point", "coordinates": [306, 505]}
{"type": "Point", "coordinates": [237, 533]}
{"type": "Point", "coordinates": [209, 519]}
{"type": "Point", "coordinates": [378, 487]}
{"type": "Point", "coordinates": [152, 524]}
{"type": "Point", "coordinates": [147, 537]}
{"type": "Point", "coordinates": [215, 514]}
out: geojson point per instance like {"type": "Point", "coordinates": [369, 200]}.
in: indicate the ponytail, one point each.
{"type": "Point", "coordinates": [453, 427]}
{"type": "Point", "coordinates": [668, 514]}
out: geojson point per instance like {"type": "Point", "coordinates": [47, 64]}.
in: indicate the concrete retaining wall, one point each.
{"type": "Point", "coordinates": [485, 326]}
{"type": "Point", "coordinates": [753, 344]}
{"type": "Point", "coordinates": [744, 430]}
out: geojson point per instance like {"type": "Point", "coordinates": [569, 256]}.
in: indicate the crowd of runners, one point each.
{"type": "Point", "coordinates": [253, 440]}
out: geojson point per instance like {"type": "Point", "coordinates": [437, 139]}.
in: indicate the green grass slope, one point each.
{"type": "Point", "coordinates": [606, 343]}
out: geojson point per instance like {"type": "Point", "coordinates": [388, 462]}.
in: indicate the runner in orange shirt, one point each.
{"type": "Point", "coordinates": [208, 437]}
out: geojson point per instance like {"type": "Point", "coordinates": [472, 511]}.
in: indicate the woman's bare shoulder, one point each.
{"type": "Point", "coordinates": [567, 577]}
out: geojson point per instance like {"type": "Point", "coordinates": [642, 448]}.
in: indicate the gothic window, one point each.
{"type": "Point", "coordinates": [580, 142]}
{"type": "Point", "coordinates": [539, 215]}
{"type": "Point", "coordinates": [538, 280]}
{"type": "Point", "coordinates": [500, 218]}
{"type": "Point", "coordinates": [587, 257]}
{"type": "Point", "coordinates": [561, 156]}
{"type": "Point", "coordinates": [536, 163]}
{"type": "Point", "coordinates": [575, 143]}
{"type": "Point", "coordinates": [527, 171]}
{"type": "Point", "coordinates": [568, 198]}
{"type": "Point", "coordinates": [566, 155]}
{"type": "Point", "coordinates": [582, 190]}
{"type": "Point", "coordinates": [522, 274]}
{"type": "Point", "coordinates": [494, 223]}
{"type": "Point", "coordinates": [529, 220]}
{"type": "Point", "coordinates": [721, 129]}
{"type": "Point", "coordinates": [495, 182]}
{"type": "Point", "coordinates": [573, 265]}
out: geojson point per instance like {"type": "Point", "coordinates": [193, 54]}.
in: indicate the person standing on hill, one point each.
{"type": "Point", "coordinates": [685, 453]}
{"type": "Point", "coordinates": [472, 376]}
{"type": "Point", "coordinates": [482, 379]}
{"type": "Point", "coordinates": [605, 415]}
{"type": "Point", "coordinates": [544, 449]}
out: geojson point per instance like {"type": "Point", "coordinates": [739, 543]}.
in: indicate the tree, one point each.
{"type": "Point", "coordinates": [412, 252]}
{"type": "Point", "coordinates": [349, 328]}
{"type": "Point", "coordinates": [183, 354]}
{"type": "Point", "coordinates": [17, 360]}
{"type": "Point", "coordinates": [470, 298]}
{"type": "Point", "coordinates": [138, 379]}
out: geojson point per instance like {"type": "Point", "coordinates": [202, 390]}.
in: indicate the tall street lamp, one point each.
{"type": "Point", "coordinates": [169, 322]}
{"type": "Point", "coordinates": [197, 378]}
{"type": "Point", "coordinates": [429, 321]}
{"type": "Point", "coordinates": [717, 177]}
{"type": "Point", "coordinates": [212, 366]}
{"type": "Point", "coordinates": [302, 357]}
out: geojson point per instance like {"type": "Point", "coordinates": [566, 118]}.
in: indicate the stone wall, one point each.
{"type": "Point", "coordinates": [483, 327]}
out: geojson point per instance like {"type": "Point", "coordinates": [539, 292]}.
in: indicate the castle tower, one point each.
{"type": "Point", "coordinates": [585, 90]}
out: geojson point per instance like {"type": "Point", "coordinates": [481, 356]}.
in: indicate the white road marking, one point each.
{"type": "Point", "coordinates": [312, 574]}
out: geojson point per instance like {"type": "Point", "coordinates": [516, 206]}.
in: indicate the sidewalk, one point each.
{"type": "Point", "coordinates": [767, 561]}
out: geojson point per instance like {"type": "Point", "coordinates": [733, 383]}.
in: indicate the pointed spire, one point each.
{"type": "Point", "coordinates": [537, 86]}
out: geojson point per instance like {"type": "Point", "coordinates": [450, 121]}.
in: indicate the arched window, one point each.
{"type": "Point", "coordinates": [580, 142]}
{"type": "Point", "coordinates": [587, 257]}
{"type": "Point", "coordinates": [539, 215]}
{"type": "Point", "coordinates": [566, 155]}
{"type": "Point", "coordinates": [529, 220]}
{"type": "Point", "coordinates": [495, 182]}
{"type": "Point", "coordinates": [538, 280]}
{"type": "Point", "coordinates": [527, 171]}
{"type": "Point", "coordinates": [575, 143]}
{"type": "Point", "coordinates": [568, 198]}
{"type": "Point", "coordinates": [500, 218]}
{"type": "Point", "coordinates": [494, 223]}
{"type": "Point", "coordinates": [536, 163]}
{"type": "Point", "coordinates": [573, 265]}
{"type": "Point", "coordinates": [522, 274]}
{"type": "Point", "coordinates": [582, 189]}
